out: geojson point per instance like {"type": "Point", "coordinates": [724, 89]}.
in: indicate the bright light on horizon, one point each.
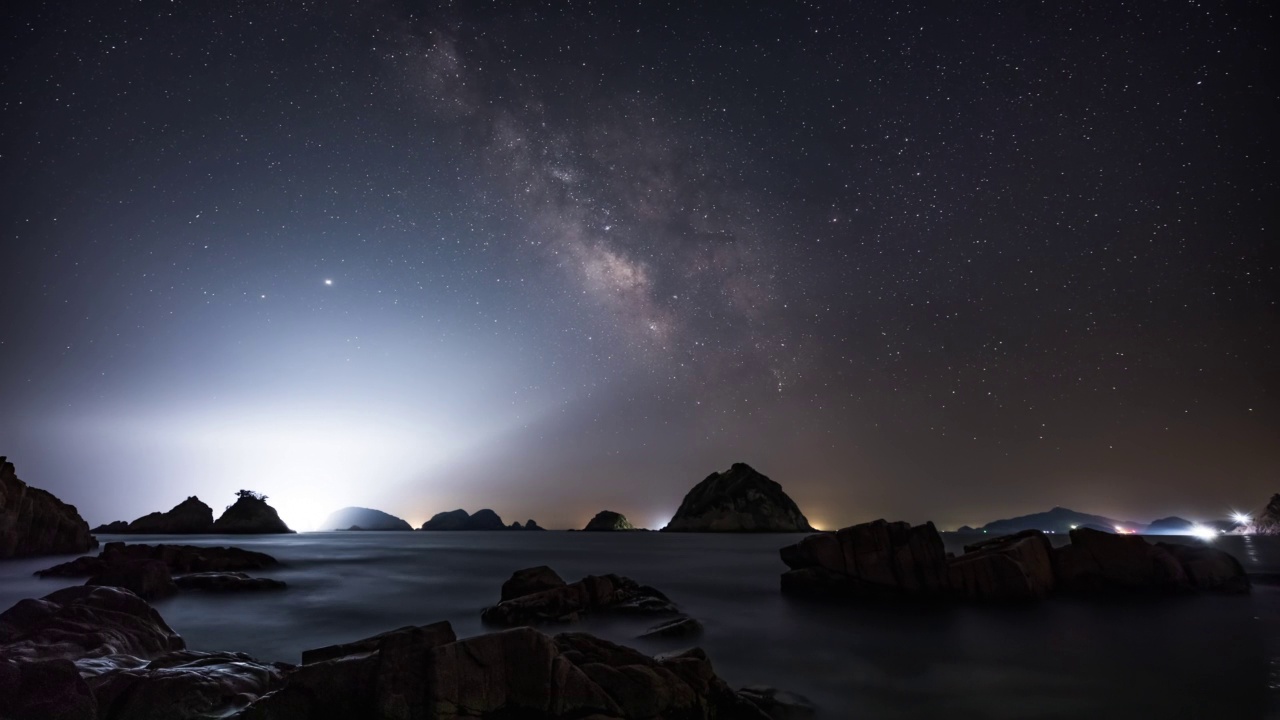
{"type": "Point", "coordinates": [1203, 532]}
{"type": "Point", "coordinates": [1241, 518]}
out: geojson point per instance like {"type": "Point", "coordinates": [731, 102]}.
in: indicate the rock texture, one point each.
{"type": "Point", "coordinates": [894, 560]}
{"type": "Point", "coordinates": [227, 582]}
{"type": "Point", "coordinates": [519, 673]}
{"type": "Point", "coordinates": [34, 522]}
{"type": "Point", "coordinates": [607, 520]}
{"type": "Point", "coordinates": [148, 579]}
{"type": "Point", "coordinates": [250, 515]}
{"type": "Point", "coordinates": [84, 622]}
{"type": "Point", "coordinates": [353, 518]}
{"type": "Point", "coordinates": [482, 520]}
{"type": "Point", "coordinates": [738, 500]}
{"type": "Point", "coordinates": [188, 517]}
{"type": "Point", "coordinates": [524, 604]}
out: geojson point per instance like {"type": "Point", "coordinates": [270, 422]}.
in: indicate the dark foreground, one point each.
{"type": "Point", "coordinates": [1187, 657]}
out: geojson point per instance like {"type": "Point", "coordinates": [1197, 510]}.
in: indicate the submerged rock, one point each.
{"type": "Point", "coordinates": [227, 582]}
{"type": "Point", "coordinates": [250, 515]}
{"type": "Point", "coordinates": [738, 500]}
{"type": "Point", "coordinates": [148, 579]}
{"type": "Point", "coordinates": [179, 559]}
{"type": "Point", "coordinates": [529, 581]}
{"type": "Point", "coordinates": [607, 520]}
{"type": "Point", "coordinates": [35, 522]}
{"type": "Point", "coordinates": [563, 603]}
{"type": "Point", "coordinates": [680, 627]}
{"type": "Point", "coordinates": [352, 518]}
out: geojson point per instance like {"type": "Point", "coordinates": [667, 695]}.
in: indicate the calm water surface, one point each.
{"type": "Point", "coordinates": [1194, 657]}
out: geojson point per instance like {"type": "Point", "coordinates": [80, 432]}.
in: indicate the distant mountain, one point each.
{"type": "Point", "coordinates": [1169, 526]}
{"type": "Point", "coordinates": [482, 520]}
{"type": "Point", "coordinates": [1058, 520]}
{"type": "Point", "coordinates": [365, 519]}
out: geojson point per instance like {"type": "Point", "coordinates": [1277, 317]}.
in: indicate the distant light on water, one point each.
{"type": "Point", "coordinates": [1203, 532]}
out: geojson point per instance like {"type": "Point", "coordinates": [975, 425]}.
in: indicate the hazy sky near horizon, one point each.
{"type": "Point", "coordinates": [952, 261]}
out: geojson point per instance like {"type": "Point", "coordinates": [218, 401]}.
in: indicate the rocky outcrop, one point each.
{"type": "Point", "coordinates": [353, 518]}
{"type": "Point", "coordinates": [184, 685]}
{"type": "Point", "coordinates": [1266, 522]}
{"type": "Point", "coordinates": [738, 500]}
{"type": "Point", "coordinates": [34, 522]}
{"type": "Point", "coordinates": [594, 594]}
{"type": "Point", "coordinates": [179, 559]}
{"type": "Point", "coordinates": [894, 560]}
{"type": "Point", "coordinates": [250, 515]}
{"type": "Point", "coordinates": [112, 528]}
{"type": "Point", "coordinates": [531, 525]}
{"type": "Point", "coordinates": [84, 622]}
{"type": "Point", "coordinates": [482, 520]}
{"type": "Point", "coordinates": [517, 673]}
{"type": "Point", "coordinates": [189, 517]}
{"type": "Point", "coordinates": [607, 521]}
{"type": "Point", "coordinates": [148, 579]}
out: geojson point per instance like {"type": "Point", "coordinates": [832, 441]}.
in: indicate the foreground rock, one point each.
{"type": "Point", "coordinates": [519, 673]}
{"type": "Point", "coordinates": [148, 579]}
{"type": "Point", "coordinates": [524, 603]}
{"type": "Point", "coordinates": [35, 522]}
{"type": "Point", "coordinates": [738, 500]}
{"type": "Point", "coordinates": [483, 520]}
{"type": "Point", "coordinates": [227, 582]}
{"type": "Point", "coordinates": [608, 521]}
{"type": "Point", "coordinates": [250, 515]}
{"type": "Point", "coordinates": [103, 653]}
{"type": "Point", "coordinates": [179, 559]}
{"type": "Point", "coordinates": [188, 517]}
{"type": "Point", "coordinates": [895, 560]}
{"type": "Point", "coordinates": [352, 518]}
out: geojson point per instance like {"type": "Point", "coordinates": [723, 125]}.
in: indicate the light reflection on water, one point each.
{"type": "Point", "coordinates": [1198, 657]}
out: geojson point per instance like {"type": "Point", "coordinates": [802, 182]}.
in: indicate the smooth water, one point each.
{"type": "Point", "coordinates": [1188, 657]}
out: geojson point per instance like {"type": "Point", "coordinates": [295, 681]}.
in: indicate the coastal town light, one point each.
{"type": "Point", "coordinates": [1203, 532]}
{"type": "Point", "coordinates": [1241, 518]}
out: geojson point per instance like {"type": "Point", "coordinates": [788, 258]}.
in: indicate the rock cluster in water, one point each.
{"type": "Point", "coordinates": [894, 560]}
{"type": "Point", "coordinates": [738, 500]}
{"type": "Point", "coordinates": [250, 514]}
{"type": "Point", "coordinates": [482, 520]}
{"type": "Point", "coordinates": [607, 520]}
{"type": "Point", "coordinates": [358, 518]}
{"type": "Point", "coordinates": [539, 596]}
{"type": "Point", "coordinates": [103, 653]}
{"type": "Point", "coordinates": [35, 522]}
{"type": "Point", "coordinates": [156, 571]}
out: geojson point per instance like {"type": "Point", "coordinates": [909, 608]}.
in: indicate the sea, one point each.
{"type": "Point", "coordinates": [1196, 657]}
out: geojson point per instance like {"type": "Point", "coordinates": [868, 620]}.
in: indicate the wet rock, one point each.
{"type": "Point", "coordinates": [1208, 568]}
{"type": "Point", "coordinates": [1099, 562]}
{"type": "Point", "coordinates": [148, 579]}
{"type": "Point", "coordinates": [529, 581]}
{"type": "Point", "coordinates": [227, 582]}
{"type": "Point", "coordinates": [1011, 568]}
{"type": "Point", "coordinates": [874, 560]}
{"type": "Point", "coordinates": [738, 500]}
{"type": "Point", "coordinates": [352, 518]}
{"type": "Point", "coordinates": [180, 559]}
{"type": "Point", "coordinates": [250, 515]}
{"type": "Point", "coordinates": [184, 685]}
{"type": "Point", "coordinates": [607, 520]}
{"type": "Point", "coordinates": [779, 704]}
{"type": "Point", "coordinates": [424, 635]}
{"type": "Point", "coordinates": [35, 522]}
{"type": "Point", "coordinates": [593, 594]}
{"type": "Point", "coordinates": [680, 627]}
{"type": "Point", "coordinates": [85, 621]}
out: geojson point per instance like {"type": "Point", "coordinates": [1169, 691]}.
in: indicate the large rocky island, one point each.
{"type": "Point", "coordinates": [250, 515]}
{"type": "Point", "coordinates": [738, 500]}
{"type": "Point", "coordinates": [483, 520]}
{"type": "Point", "coordinates": [35, 522]}
{"type": "Point", "coordinates": [364, 519]}
{"type": "Point", "coordinates": [189, 517]}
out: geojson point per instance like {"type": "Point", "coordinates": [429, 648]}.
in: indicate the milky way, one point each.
{"type": "Point", "coordinates": [911, 261]}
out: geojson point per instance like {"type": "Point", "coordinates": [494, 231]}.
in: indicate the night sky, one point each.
{"type": "Point", "coordinates": [952, 261]}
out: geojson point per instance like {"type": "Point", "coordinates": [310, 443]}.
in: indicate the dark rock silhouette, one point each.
{"type": "Point", "coordinates": [738, 500]}
{"type": "Point", "coordinates": [894, 560]}
{"type": "Point", "coordinates": [1058, 520]}
{"type": "Point", "coordinates": [117, 527]}
{"type": "Point", "coordinates": [594, 594]}
{"type": "Point", "coordinates": [179, 559]}
{"type": "Point", "coordinates": [531, 525]}
{"type": "Point", "coordinates": [430, 635]}
{"type": "Point", "coordinates": [607, 520]}
{"type": "Point", "coordinates": [778, 704]}
{"type": "Point", "coordinates": [250, 515]}
{"type": "Point", "coordinates": [680, 627]}
{"type": "Point", "coordinates": [1168, 526]}
{"type": "Point", "coordinates": [188, 517]}
{"type": "Point", "coordinates": [350, 518]}
{"type": "Point", "coordinates": [482, 520]}
{"type": "Point", "coordinates": [35, 522]}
